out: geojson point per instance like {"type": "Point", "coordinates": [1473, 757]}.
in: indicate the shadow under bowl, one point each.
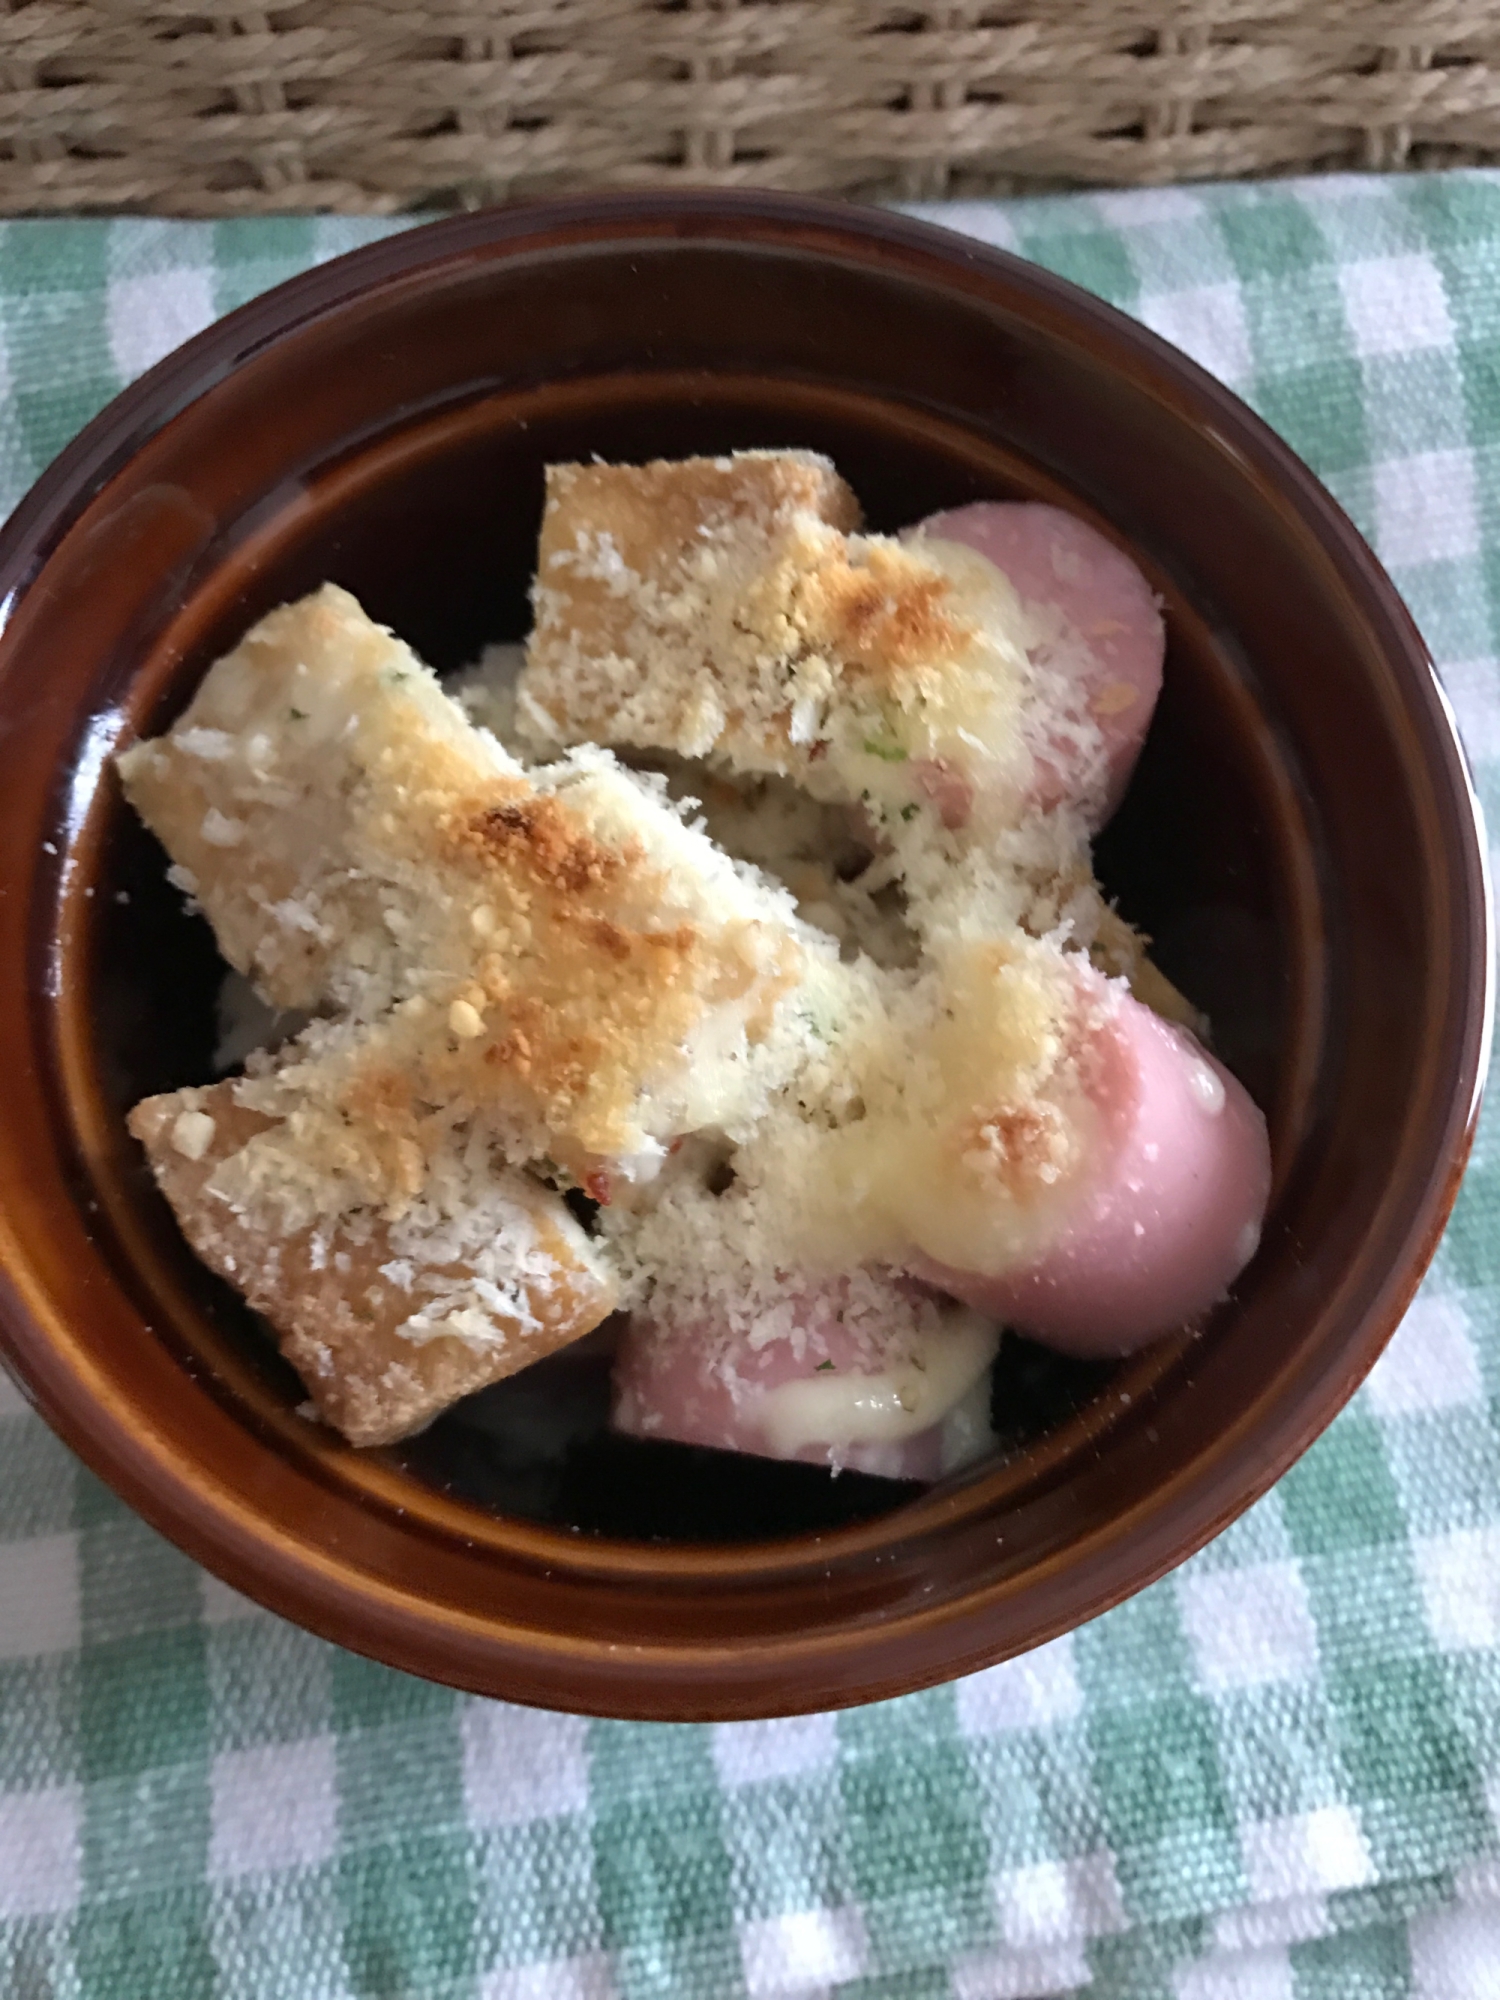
{"type": "Point", "coordinates": [1300, 840]}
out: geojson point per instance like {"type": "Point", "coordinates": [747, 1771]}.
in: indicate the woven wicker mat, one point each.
{"type": "Point", "coordinates": [206, 107]}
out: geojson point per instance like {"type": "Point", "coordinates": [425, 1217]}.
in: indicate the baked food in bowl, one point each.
{"type": "Point", "coordinates": [386, 428]}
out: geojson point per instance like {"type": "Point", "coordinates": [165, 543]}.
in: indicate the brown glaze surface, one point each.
{"type": "Point", "coordinates": [1300, 838]}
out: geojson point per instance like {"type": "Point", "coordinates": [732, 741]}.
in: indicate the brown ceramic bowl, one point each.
{"type": "Point", "coordinates": [1301, 839]}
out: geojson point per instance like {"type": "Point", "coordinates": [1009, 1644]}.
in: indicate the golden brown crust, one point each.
{"type": "Point", "coordinates": [330, 1294]}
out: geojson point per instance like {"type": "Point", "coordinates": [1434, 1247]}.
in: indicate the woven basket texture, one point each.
{"type": "Point", "coordinates": [204, 107]}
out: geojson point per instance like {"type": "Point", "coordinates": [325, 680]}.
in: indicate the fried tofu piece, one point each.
{"type": "Point", "coordinates": [261, 789]}
{"type": "Point", "coordinates": [387, 1322]}
{"type": "Point", "coordinates": [726, 608]}
{"type": "Point", "coordinates": [557, 949]}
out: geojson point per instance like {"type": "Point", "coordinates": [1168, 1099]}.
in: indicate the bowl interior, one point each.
{"type": "Point", "coordinates": [434, 530]}
{"type": "Point", "coordinates": [1296, 840]}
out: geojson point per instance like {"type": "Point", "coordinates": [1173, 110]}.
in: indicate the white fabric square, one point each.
{"type": "Point", "coordinates": [1032, 1692]}
{"type": "Point", "coordinates": [1058, 1902]}
{"type": "Point", "coordinates": [1431, 1363]}
{"type": "Point", "coordinates": [1247, 1626]}
{"type": "Point", "coordinates": [588, 1977]}
{"type": "Point", "coordinates": [1257, 1975]}
{"type": "Point", "coordinates": [788, 1747]}
{"type": "Point", "coordinates": [983, 220]}
{"type": "Point", "coordinates": [1473, 687]}
{"type": "Point", "coordinates": [1207, 322]}
{"type": "Point", "coordinates": [40, 1854]}
{"type": "Point", "coordinates": [38, 1596]}
{"type": "Point", "coordinates": [1257, 1925]}
{"type": "Point", "coordinates": [149, 316]}
{"type": "Point", "coordinates": [1425, 509]}
{"type": "Point", "coordinates": [1019, 1975]}
{"type": "Point", "coordinates": [1459, 1576]}
{"type": "Point", "coordinates": [275, 1806]}
{"type": "Point", "coordinates": [12, 1402]}
{"type": "Point", "coordinates": [803, 1948]}
{"type": "Point", "coordinates": [1138, 207]}
{"type": "Point", "coordinates": [1395, 305]}
{"type": "Point", "coordinates": [1305, 1854]}
{"type": "Point", "coordinates": [1454, 1954]}
{"type": "Point", "coordinates": [224, 1606]}
{"type": "Point", "coordinates": [522, 1764]}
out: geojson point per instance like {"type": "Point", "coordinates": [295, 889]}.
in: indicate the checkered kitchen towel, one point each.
{"type": "Point", "coordinates": [1275, 1774]}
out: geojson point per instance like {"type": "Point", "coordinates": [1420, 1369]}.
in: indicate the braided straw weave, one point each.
{"type": "Point", "coordinates": [205, 107]}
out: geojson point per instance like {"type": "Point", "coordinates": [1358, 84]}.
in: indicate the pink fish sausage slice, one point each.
{"type": "Point", "coordinates": [1168, 1213]}
{"type": "Point", "coordinates": [815, 1391]}
{"type": "Point", "coordinates": [1106, 636]}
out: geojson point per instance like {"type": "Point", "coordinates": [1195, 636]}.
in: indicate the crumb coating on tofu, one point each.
{"type": "Point", "coordinates": [727, 609]}
{"type": "Point", "coordinates": [387, 1323]}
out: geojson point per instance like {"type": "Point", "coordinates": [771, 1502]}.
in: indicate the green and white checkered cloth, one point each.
{"type": "Point", "coordinates": [1275, 1774]}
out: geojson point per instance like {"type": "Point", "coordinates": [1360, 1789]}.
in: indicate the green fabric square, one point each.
{"type": "Point", "coordinates": [1445, 1463]}
{"type": "Point", "coordinates": [932, 1984]}
{"type": "Point", "coordinates": [1415, 402]}
{"type": "Point", "coordinates": [154, 1948]}
{"type": "Point", "coordinates": [37, 1492]}
{"type": "Point", "coordinates": [267, 1682]}
{"type": "Point", "coordinates": [1135, 1653]}
{"type": "Point", "coordinates": [667, 1967]}
{"type": "Point", "coordinates": [534, 1893]}
{"type": "Point", "coordinates": [38, 1722]}
{"type": "Point", "coordinates": [1454, 212]}
{"type": "Point", "coordinates": [1354, 1965]}
{"type": "Point", "coordinates": [1342, 1496]}
{"type": "Point", "coordinates": [662, 1872]}
{"type": "Point", "coordinates": [1472, 1681]}
{"type": "Point", "coordinates": [1157, 1770]}
{"type": "Point", "coordinates": [409, 1911]}
{"type": "Point", "coordinates": [134, 1581]}
{"type": "Point", "coordinates": [1451, 604]}
{"type": "Point", "coordinates": [1360, 225]}
{"type": "Point", "coordinates": [1420, 1836]}
{"type": "Point", "coordinates": [400, 1775]}
{"type": "Point", "coordinates": [1478, 358]}
{"type": "Point", "coordinates": [1279, 1750]}
{"type": "Point", "coordinates": [1269, 233]}
{"type": "Point", "coordinates": [918, 1850]}
{"type": "Point", "coordinates": [145, 1833]}
{"type": "Point", "coordinates": [1397, 1732]}
{"type": "Point", "coordinates": [41, 261]}
{"type": "Point", "coordinates": [1181, 253]}
{"type": "Point", "coordinates": [36, 1958]}
{"type": "Point", "coordinates": [1097, 259]}
{"type": "Point", "coordinates": [251, 255]}
{"type": "Point", "coordinates": [143, 1702]}
{"type": "Point", "coordinates": [1319, 409]}
{"type": "Point", "coordinates": [281, 1937]}
{"type": "Point", "coordinates": [1038, 1797]}
{"type": "Point", "coordinates": [365, 1692]}
{"type": "Point", "coordinates": [1365, 1603]}
{"type": "Point", "coordinates": [1187, 1870]}
{"type": "Point", "coordinates": [788, 1846]}
{"type": "Point", "coordinates": [648, 1761]}
{"type": "Point", "coordinates": [93, 1502]}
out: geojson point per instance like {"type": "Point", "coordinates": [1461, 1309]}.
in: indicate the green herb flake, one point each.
{"type": "Point", "coordinates": [297, 714]}
{"type": "Point", "coordinates": [825, 1368]}
{"type": "Point", "coordinates": [888, 753]}
{"type": "Point", "coordinates": [910, 812]}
